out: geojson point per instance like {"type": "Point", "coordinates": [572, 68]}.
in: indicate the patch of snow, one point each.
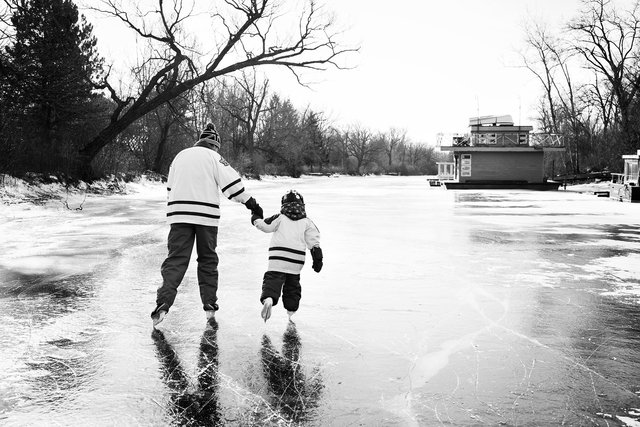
{"type": "Point", "coordinates": [630, 422]}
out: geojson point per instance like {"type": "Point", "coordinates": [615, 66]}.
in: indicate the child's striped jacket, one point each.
{"type": "Point", "coordinates": [289, 242]}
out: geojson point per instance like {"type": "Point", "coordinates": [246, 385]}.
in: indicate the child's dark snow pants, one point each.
{"type": "Point", "coordinates": [180, 245]}
{"type": "Point", "coordinates": [289, 284]}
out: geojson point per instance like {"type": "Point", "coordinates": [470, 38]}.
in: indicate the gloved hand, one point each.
{"type": "Point", "coordinates": [316, 254]}
{"type": "Point", "coordinates": [254, 207]}
{"type": "Point", "coordinates": [254, 218]}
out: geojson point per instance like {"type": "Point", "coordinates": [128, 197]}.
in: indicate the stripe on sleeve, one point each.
{"type": "Point", "coordinates": [236, 193]}
{"type": "Point", "coordinates": [231, 185]}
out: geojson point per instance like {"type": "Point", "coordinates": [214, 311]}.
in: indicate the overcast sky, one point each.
{"type": "Point", "coordinates": [425, 66]}
{"type": "Point", "coordinates": [428, 66]}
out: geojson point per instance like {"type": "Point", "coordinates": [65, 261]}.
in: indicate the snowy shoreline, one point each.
{"type": "Point", "coordinates": [17, 191]}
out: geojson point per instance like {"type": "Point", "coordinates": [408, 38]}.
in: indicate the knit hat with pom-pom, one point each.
{"type": "Point", "coordinates": [210, 135]}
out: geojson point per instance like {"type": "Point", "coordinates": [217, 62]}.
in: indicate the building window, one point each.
{"type": "Point", "coordinates": [465, 165]}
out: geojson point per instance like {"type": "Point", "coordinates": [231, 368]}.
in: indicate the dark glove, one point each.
{"type": "Point", "coordinates": [254, 218]}
{"type": "Point", "coordinates": [316, 254]}
{"type": "Point", "coordinates": [254, 207]}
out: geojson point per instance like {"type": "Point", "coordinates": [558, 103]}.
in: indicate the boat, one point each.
{"type": "Point", "coordinates": [496, 154]}
{"type": "Point", "coordinates": [625, 186]}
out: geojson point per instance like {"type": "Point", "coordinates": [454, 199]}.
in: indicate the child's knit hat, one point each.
{"type": "Point", "coordinates": [293, 205]}
{"type": "Point", "coordinates": [292, 196]}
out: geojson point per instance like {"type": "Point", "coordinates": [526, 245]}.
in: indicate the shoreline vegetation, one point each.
{"type": "Point", "coordinates": [38, 190]}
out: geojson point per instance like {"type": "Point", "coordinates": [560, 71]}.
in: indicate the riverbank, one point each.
{"type": "Point", "coordinates": [40, 191]}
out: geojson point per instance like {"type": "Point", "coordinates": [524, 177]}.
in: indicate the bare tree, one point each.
{"type": "Point", "coordinates": [568, 108]}
{"type": "Point", "coordinates": [542, 64]}
{"type": "Point", "coordinates": [603, 100]}
{"type": "Point", "coordinates": [7, 7]}
{"type": "Point", "coordinates": [609, 42]}
{"type": "Point", "coordinates": [394, 138]}
{"type": "Point", "coordinates": [255, 35]}
{"type": "Point", "coordinates": [246, 105]}
{"type": "Point", "coordinates": [152, 138]}
{"type": "Point", "coordinates": [359, 146]}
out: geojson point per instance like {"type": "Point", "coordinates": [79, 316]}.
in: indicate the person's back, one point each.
{"type": "Point", "coordinates": [293, 233]}
{"type": "Point", "coordinates": [196, 177]}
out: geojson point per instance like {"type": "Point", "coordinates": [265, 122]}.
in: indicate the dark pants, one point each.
{"type": "Point", "coordinates": [289, 284]}
{"type": "Point", "coordinates": [180, 245]}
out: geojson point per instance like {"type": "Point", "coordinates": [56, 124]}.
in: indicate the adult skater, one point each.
{"type": "Point", "coordinates": [196, 177]}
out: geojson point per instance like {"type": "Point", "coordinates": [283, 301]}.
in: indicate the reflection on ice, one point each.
{"type": "Point", "coordinates": [289, 395]}
{"type": "Point", "coordinates": [19, 284]}
{"type": "Point", "coordinates": [293, 393]}
{"type": "Point", "coordinates": [192, 407]}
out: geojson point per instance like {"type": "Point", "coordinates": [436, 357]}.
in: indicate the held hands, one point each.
{"type": "Point", "coordinates": [254, 218]}
{"type": "Point", "coordinates": [255, 208]}
{"type": "Point", "coordinates": [316, 254]}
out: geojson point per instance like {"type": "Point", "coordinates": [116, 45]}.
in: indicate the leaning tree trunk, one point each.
{"type": "Point", "coordinates": [162, 143]}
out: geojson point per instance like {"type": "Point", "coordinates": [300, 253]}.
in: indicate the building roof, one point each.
{"type": "Point", "coordinates": [504, 120]}
{"type": "Point", "coordinates": [500, 129]}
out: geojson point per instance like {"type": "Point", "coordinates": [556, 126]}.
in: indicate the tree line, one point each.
{"type": "Point", "coordinates": [590, 76]}
{"type": "Point", "coordinates": [65, 110]}
{"type": "Point", "coordinates": [264, 133]}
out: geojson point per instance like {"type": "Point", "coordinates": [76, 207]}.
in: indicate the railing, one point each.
{"type": "Point", "coordinates": [617, 178]}
{"type": "Point", "coordinates": [446, 171]}
{"type": "Point", "coordinates": [624, 178]}
{"type": "Point", "coordinates": [502, 139]}
{"type": "Point", "coordinates": [451, 139]}
{"type": "Point", "coordinates": [554, 140]}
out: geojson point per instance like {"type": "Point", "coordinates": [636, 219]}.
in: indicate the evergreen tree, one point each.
{"type": "Point", "coordinates": [48, 80]}
{"type": "Point", "coordinates": [313, 140]}
{"type": "Point", "coordinates": [280, 139]}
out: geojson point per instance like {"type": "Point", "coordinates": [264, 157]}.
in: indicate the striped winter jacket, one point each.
{"type": "Point", "coordinates": [196, 177]}
{"type": "Point", "coordinates": [289, 241]}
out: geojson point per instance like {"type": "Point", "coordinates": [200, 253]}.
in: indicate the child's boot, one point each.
{"type": "Point", "coordinates": [266, 308]}
{"type": "Point", "coordinates": [290, 313]}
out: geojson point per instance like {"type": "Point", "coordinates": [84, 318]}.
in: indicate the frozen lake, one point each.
{"type": "Point", "coordinates": [433, 307]}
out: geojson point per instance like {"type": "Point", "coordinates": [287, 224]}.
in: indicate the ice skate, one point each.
{"type": "Point", "coordinates": [210, 311]}
{"type": "Point", "coordinates": [159, 313]}
{"type": "Point", "coordinates": [266, 308]}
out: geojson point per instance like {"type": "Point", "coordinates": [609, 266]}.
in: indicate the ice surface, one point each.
{"type": "Point", "coordinates": [433, 307]}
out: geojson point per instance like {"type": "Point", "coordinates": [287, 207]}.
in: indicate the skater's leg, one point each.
{"type": "Point", "coordinates": [291, 293]}
{"type": "Point", "coordinates": [206, 243]}
{"type": "Point", "coordinates": [180, 246]}
{"type": "Point", "coordinates": [271, 288]}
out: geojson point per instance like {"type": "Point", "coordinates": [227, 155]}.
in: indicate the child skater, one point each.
{"type": "Point", "coordinates": [293, 233]}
